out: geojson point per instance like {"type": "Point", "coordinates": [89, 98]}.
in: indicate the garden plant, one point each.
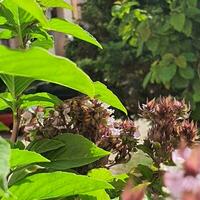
{"type": "Point", "coordinates": [66, 149]}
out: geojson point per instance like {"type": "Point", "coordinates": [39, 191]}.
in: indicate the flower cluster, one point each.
{"type": "Point", "coordinates": [169, 122]}
{"type": "Point", "coordinates": [183, 180]}
{"type": "Point", "coordinates": [88, 117]}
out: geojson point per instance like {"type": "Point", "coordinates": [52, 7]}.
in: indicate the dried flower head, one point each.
{"type": "Point", "coordinates": [90, 118]}
{"type": "Point", "coordinates": [169, 122]}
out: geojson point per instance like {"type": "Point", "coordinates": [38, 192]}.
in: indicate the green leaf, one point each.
{"type": "Point", "coordinates": [46, 43]}
{"type": "Point", "coordinates": [190, 56]}
{"type": "Point", "coordinates": [33, 8]}
{"type": "Point", "coordinates": [181, 61]}
{"type": "Point", "coordinates": [3, 105]}
{"type": "Point", "coordinates": [106, 175]}
{"type": "Point", "coordinates": [78, 151]}
{"type": "Point", "coordinates": [3, 20]}
{"type": "Point", "coordinates": [54, 185]}
{"type": "Point", "coordinates": [6, 100]}
{"type": "Point", "coordinates": [144, 31]}
{"type": "Point", "coordinates": [39, 99]}
{"type": "Point", "coordinates": [192, 12]}
{"type": "Point", "coordinates": [177, 20]}
{"type": "Point", "coordinates": [20, 174]}
{"type": "Point", "coordinates": [187, 28]}
{"type": "Point", "coordinates": [4, 163]}
{"type": "Point", "coordinates": [153, 45]}
{"type": "Point", "coordinates": [39, 64]}
{"type": "Point", "coordinates": [55, 3]}
{"type": "Point", "coordinates": [6, 34]}
{"type": "Point", "coordinates": [104, 94]}
{"type": "Point", "coordinates": [45, 145]}
{"type": "Point", "coordinates": [23, 157]}
{"type": "Point", "coordinates": [3, 127]}
{"type": "Point", "coordinates": [192, 3]}
{"type": "Point", "coordinates": [196, 96]}
{"type": "Point", "coordinates": [66, 27]}
{"type": "Point", "coordinates": [187, 73]}
{"type": "Point", "coordinates": [95, 195]}
{"type": "Point", "coordinates": [101, 174]}
{"type": "Point", "coordinates": [146, 79]}
{"type": "Point", "coordinates": [16, 85]}
{"type": "Point", "coordinates": [179, 82]}
{"type": "Point", "coordinates": [40, 38]}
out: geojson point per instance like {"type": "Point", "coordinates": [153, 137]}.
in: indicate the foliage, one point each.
{"type": "Point", "coordinates": [22, 159]}
{"type": "Point", "coordinates": [167, 34]}
{"type": "Point", "coordinates": [116, 65]}
{"type": "Point", "coordinates": [68, 141]}
{"type": "Point", "coordinates": [26, 174]}
{"type": "Point", "coordinates": [27, 21]}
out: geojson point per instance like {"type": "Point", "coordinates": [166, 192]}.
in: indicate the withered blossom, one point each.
{"type": "Point", "coordinates": [169, 123]}
{"type": "Point", "coordinates": [88, 117]}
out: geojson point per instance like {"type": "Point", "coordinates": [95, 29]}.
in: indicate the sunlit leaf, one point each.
{"type": "Point", "coordinates": [4, 163]}
{"type": "Point", "coordinates": [53, 185]}
{"type": "Point", "coordinates": [66, 27]}
{"type": "Point", "coordinates": [105, 95]}
{"type": "Point", "coordinates": [24, 157]}
{"type": "Point", "coordinates": [39, 64]}
{"type": "Point", "coordinates": [55, 3]}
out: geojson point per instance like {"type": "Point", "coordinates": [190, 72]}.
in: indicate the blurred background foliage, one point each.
{"type": "Point", "coordinates": [151, 48]}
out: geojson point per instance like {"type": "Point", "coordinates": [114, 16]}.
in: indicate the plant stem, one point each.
{"type": "Point", "coordinates": [21, 42]}
{"type": "Point", "coordinates": [15, 130]}
{"type": "Point", "coordinates": [16, 121]}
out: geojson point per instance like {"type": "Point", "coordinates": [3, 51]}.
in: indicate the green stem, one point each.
{"type": "Point", "coordinates": [21, 42]}
{"type": "Point", "coordinates": [20, 36]}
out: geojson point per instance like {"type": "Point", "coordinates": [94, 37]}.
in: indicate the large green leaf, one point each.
{"type": "Point", "coordinates": [107, 96]}
{"type": "Point", "coordinates": [23, 157]}
{"type": "Point", "coordinates": [32, 7]}
{"type": "Point", "coordinates": [45, 145]}
{"type": "Point", "coordinates": [66, 27]}
{"type": "Point", "coordinates": [16, 85]}
{"type": "Point", "coordinates": [54, 185]}
{"type": "Point", "coordinates": [39, 64]}
{"type": "Point", "coordinates": [78, 151]}
{"type": "Point", "coordinates": [55, 3]}
{"type": "Point", "coordinates": [4, 163]}
{"type": "Point", "coordinates": [39, 99]}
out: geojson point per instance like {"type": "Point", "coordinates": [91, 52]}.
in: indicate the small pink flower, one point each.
{"type": "Point", "coordinates": [179, 156]}
{"type": "Point", "coordinates": [173, 180]}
